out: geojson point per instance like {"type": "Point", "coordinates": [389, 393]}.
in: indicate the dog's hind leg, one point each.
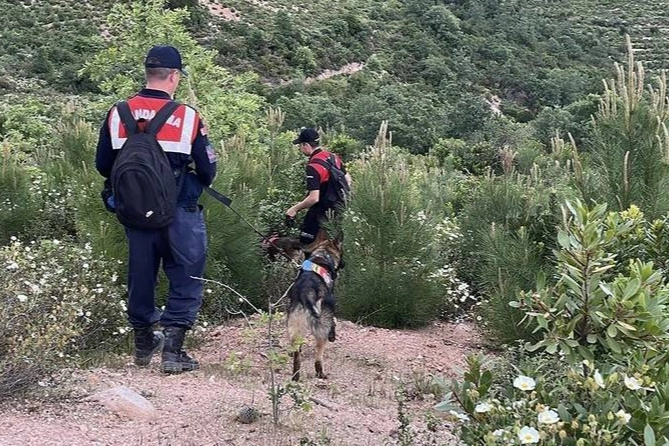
{"type": "Point", "coordinates": [320, 349]}
{"type": "Point", "coordinates": [297, 363]}
{"type": "Point", "coordinates": [296, 330]}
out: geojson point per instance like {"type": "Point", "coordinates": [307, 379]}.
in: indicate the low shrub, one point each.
{"type": "Point", "coordinates": [535, 404]}
{"type": "Point", "coordinates": [603, 336]}
{"type": "Point", "coordinates": [59, 301]}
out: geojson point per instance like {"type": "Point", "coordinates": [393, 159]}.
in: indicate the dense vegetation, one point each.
{"type": "Point", "coordinates": [543, 216]}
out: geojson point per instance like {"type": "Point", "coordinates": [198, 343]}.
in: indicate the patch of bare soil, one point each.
{"type": "Point", "coordinates": [357, 405]}
{"type": "Point", "coordinates": [348, 69]}
{"type": "Point", "coordinates": [344, 70]}
{"type": "Point", "coordinates": [221, 11]}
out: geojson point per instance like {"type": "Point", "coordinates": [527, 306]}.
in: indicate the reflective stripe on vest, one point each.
{"type": "Point", "coordinates": [177, 135]}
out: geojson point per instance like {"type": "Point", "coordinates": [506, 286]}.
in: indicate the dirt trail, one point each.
{"type": "Point", "coordinates": [199, 408]}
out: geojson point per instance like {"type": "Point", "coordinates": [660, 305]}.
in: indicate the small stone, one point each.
{"type": "Point", "coordinates": [125, 401]}
{"type": "Point", "coordinates": [247, 415]}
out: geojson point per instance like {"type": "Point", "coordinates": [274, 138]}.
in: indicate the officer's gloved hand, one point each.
{"type": "Point", "coordinates": [107, 195]}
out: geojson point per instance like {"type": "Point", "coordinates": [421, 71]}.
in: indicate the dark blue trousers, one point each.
{"type": "Point", "coordinates": [182, 247]}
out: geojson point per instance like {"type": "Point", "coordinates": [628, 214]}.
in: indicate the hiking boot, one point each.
{"type": "Point", "coordinates": [147, 342]}
{"type": "Point", "coordinates": [175, 360]}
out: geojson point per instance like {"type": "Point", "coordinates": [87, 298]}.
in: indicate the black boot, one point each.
{"type": "Point", "coordinates": [175, 360]}
{"type": "Point", "coordinates": [147, 342]}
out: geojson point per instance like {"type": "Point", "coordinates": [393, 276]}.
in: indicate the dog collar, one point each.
{"type": "Point", "coordinates": [308, 265]}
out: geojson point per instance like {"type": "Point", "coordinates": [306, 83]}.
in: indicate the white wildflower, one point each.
{"type": "Point", "coordinates": [459, 416]}
{"type": "Point", "coordinates": [599, 380]}
{"type": "Point", "coordinates": [22, 297]}
{"type": "Point", "coordinates": [518, 404]}
{"type": "Point", "coordinates": [528, 435]}
{"type": "Point", "coordinates": [548, 416]}
{"type": "Point", "coordinates": [524, 383]}
{"type": "Point", "coordinates": [483, 407]}
{"type": "Point", "coordinates": [498, 433]}
{"type": "Point", "coordinates": [623, 416]}
{"type": "Point", "coordinates": [632, 383]}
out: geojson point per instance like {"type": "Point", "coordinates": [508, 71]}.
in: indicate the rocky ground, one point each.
{"type": "Point", "coordinates": [357, 405]}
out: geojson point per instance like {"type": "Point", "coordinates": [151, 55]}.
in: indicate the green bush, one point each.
{"type": "Point", "coordinates": [598, 305]}
{"type": "Point", "coordinates": [396, 275]}
{"type": "Point", "coordinates": [533, 403]}
{"type": "Point", "coordinates": [31, 206]}
{"type": "Point", "coordinates": [16, 204]}
{"type": "Point", "coordinates": [508, 230]}
{"type": "Point", "coordinates": [472, 158]}
{"type": "Point", "coordinates": [609, 321]}
{"type": "Point", "coordinates": [59, 302]}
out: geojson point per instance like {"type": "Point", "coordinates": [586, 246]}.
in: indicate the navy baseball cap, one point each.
{"type": "Point", "coordinates": [306, 136]}
{"type": "Point", "coordinates": [164, 56]}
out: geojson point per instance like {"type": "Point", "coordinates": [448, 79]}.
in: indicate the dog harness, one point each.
{"type": "Point", "coordinates": [308, 265]}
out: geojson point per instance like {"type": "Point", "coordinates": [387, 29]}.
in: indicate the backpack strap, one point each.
{"type": "Point", "coordinates": [161, 117]}
{"type": "Point", "coordinates": [324, 164]}
{"type": "Point", "coordinates": [329, 163]}
{"type": "Point", "coordinates": [127, 118]}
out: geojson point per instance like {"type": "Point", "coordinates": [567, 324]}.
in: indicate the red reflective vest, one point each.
{"type": "Point", "coordinates": [323, 173]}
{"type": "Point", "coordinates": [178, 133]}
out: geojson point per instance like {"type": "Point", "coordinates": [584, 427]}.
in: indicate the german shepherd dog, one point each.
{"type": "Point", "coordinates": [312, 301]}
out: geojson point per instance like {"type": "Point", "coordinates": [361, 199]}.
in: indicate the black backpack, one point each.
{"type": "Point", "coordinates": [337, 189]}
{"type": "Point", "coordinates": [144, 183]}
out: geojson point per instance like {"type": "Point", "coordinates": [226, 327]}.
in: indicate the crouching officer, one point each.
{"type": "Point", "coordinates": [182, 243]}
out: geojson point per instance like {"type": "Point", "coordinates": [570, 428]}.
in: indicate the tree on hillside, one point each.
{"type": "Point", "coordinates": [222, 98]}
{"type": "Point", "coordinates": [630, 142]}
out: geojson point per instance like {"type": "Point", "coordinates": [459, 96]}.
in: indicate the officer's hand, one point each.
{"type": "Point", "coordinates": [291, 213]}
{"type": "Point", "coordinates": [108, 199]}
{"type": "Point", "coordinates": [290, 221]}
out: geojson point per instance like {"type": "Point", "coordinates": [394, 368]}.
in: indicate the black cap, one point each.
{"type": "Point", "coordinates": [164, 56]}
{"type": "Point", "coordinates": [306, 136]}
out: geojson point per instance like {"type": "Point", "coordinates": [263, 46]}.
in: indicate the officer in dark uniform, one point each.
{"type": "Point", "coordinates": [317, 177]}
{"type": "Point", "coordinates": [182, 245]}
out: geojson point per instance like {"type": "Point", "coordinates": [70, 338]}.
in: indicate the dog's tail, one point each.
{"type": "Point", "coordinates": [315, 312]}
{"type": "Point", "coordinates": [312, 317]}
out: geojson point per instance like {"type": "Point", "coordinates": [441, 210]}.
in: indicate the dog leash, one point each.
{"type": "Point", "coordinates": [227, 202]}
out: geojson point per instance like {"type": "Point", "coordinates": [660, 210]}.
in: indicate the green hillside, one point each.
{"type": "Point", "coordinates": [427, 64]}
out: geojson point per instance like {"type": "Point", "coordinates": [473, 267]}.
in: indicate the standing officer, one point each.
{"type": "Point", "coordinates": [182, 244]}
{"type": "Point", "coordinates": [317, 181]}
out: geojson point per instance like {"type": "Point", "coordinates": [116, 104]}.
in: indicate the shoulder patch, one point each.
{"type": "Point", "coordinates": [211, 154]}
